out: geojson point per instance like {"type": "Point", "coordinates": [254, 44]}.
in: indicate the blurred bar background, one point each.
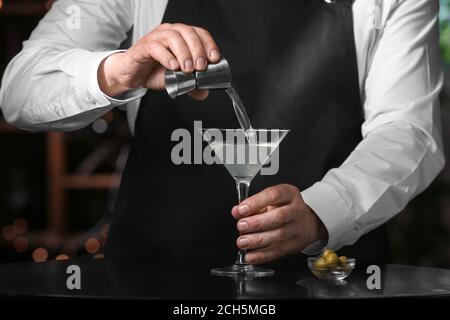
{"type": "Point", "coordinates": [57, 189]}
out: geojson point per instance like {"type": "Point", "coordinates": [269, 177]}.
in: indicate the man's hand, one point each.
{"type": "Point", "coordinates": [169, 46]}
{"type": "Point", "coordinates": [276, 222]}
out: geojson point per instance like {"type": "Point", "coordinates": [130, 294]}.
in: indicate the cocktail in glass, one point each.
{"type": "Point", "coordinates": [243, 153]}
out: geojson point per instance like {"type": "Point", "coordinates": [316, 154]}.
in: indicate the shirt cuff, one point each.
{"type": "Point", "coordinates": [89, 92]}
{"type": "Point", "coordinates": [334, 213]}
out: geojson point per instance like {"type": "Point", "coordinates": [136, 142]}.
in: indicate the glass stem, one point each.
{"type": "Point", "coordinates": [242, 188]}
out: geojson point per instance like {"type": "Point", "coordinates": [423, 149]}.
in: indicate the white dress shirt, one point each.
{"type": "Point", "coordinates": [52, 84]}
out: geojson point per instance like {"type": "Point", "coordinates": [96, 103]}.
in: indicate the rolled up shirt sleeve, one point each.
{"type": "Point", "coordinates": [52, 83]}
{"type": "Point", "coordinates": [401, 152]}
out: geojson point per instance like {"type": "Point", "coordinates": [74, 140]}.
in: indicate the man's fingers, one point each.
{"type": "Point", "coordinates": [156, 81]}
{"type": "Point", "coordinates": [209, 44]}
{"type": "Point", "coordinates": [266, 221]}
{"type": "Point", "coordinates": [267, 238]}
{"type": "Point", "coordinates": [272, 196]}
{"type": "Point", "coordinates": [236, 215]}
{"type": "Point", "coordinates": [160, 53]}
{"type": "Point", "coordinates": [199, 94]}
{"type": "Point", "coordinates": [201, 44]}
{"type": "Point", "coordinates": [173, 40]}
{"type": "Point", "coordinates": [273, 252]}
{"type": "Point", "coordinates": [195, 45]}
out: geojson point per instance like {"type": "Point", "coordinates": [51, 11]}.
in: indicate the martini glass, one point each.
{"type": "Point", "coordinates": [243, 153]}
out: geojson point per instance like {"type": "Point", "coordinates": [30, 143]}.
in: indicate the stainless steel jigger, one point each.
{"type": "Point", "coordinates": [216, 76]}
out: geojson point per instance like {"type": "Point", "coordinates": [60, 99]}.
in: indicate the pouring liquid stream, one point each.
{"type": "Point", "coordinates": [241, 115]}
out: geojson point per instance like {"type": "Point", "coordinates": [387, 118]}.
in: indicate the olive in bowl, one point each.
{"type": "Point", "coordinates": [329, 266]}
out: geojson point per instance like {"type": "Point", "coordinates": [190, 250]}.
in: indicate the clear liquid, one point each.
{"type": "Point", "coordinates": [244, 160]}
{"type": "Point", "coordinates": [243, 171]}
{"type": "Point", "coordinates": [241, 114]}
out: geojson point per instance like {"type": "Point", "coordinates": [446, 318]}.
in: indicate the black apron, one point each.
{"type": "Point", "coordinates": [294, 65]}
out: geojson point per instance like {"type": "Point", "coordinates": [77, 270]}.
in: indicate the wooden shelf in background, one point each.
{"type": "Point", "coordinates": [96, 181]}
{"type": "Point", "coordinates": [60, 181]}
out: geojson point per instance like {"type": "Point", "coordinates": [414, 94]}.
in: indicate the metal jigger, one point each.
{"type": "Point", "coordinates": [216, 76]}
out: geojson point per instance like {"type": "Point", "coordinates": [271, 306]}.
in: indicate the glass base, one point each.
{"type": "Point", "coordinates": [242, 270]}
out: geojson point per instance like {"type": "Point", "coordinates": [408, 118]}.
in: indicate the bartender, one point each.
{"type": "Point", "coordinates": [356, 82]}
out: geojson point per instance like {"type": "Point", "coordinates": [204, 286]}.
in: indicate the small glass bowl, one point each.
{"type": "Point", "coordinates": [336, 273]}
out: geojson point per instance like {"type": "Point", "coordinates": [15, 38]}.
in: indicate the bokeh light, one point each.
{"type": "Point", "coordinates": [92, 245]}
{"type": "Point", "coordinates": [99, 256]}
{"type": "Point", "coordinates": [99, 126]}
{"type": "Point", "coordinates": [61, 257]}
{"type": "Point", "coordinates": [21, 244]}
{"type": "Point", "coordinates": [40, 255]}
{"type": "Point", "coordinates": [21, 225]}
{"type": "Point", "coordinates": [9, 232]}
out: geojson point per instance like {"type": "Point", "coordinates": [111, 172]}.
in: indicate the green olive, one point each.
{"type": "Point", "coordinates": [343, 260]}
{"type": "Point", "coordinates": [321, 263]}
{"type": "Point", "coordinates": [326, 252]}
{"type": "Point", "coordinates": [332, 259]}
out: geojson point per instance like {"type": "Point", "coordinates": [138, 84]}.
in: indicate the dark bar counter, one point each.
{"type": "Point", "coordinates": [129, 279]}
